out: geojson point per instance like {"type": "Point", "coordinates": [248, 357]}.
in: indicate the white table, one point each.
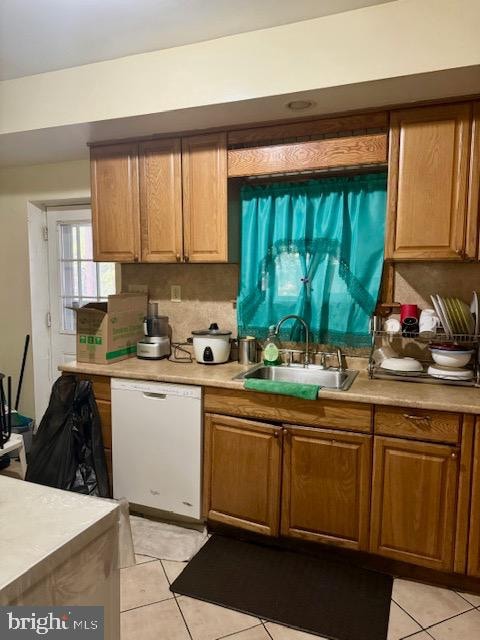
{"type": "Point", "coordinates": [59, 548]}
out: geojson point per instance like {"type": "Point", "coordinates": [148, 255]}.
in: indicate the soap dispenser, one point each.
{"type": "Point", "coordinates": [271, 349]}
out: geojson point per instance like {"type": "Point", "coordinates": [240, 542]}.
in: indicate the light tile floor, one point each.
{"type": "Point", "coordinates": [151, 612]}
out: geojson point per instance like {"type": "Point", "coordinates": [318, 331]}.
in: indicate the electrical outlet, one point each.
{"type": "Point", "coordinates": [138, 288]}
{"type": "Point", "coordinates": [175, 293]}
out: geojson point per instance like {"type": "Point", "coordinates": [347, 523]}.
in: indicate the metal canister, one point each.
{"type": "Point", "coordinates": [247, 350]}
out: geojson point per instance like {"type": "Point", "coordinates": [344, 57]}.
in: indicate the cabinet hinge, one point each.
{"type": "Point", "coordinates": [45, 233]}
{"type": "Point", "coordinates": [49, 319]}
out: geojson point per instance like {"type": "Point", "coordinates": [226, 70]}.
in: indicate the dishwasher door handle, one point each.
{"type": "Point", "coordinates": [158, 396]}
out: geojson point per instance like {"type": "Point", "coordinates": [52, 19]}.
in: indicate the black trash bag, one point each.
{"type": "Point", "coordinates": [67, 450]}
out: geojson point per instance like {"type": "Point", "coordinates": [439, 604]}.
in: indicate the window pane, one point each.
{"type": "Point", "coordinates": [288, 272]}
{"type": "Point", "coordinates": [68, 315]}
{"type": "Point", "coordinates": [81, 280]}
{"type": "Point", "coordinates": [69, 278]}
{"type": "Point", "coordinates": [86, 243]}
{"type": "Point", "coordinates": [106, 279]}
{"type": "Point", "coordinates": [88, 273]}
{"type": "Point", "coordinates": [68, 242]}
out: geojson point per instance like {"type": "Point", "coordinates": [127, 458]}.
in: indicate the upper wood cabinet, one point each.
{"type": "Point", "coordinates": [242, 467]}
{"type": "Point", "coordinates": [472, 239]}
{"type": "Point", "coordinates": [326, 486]}
{"type": "Point", "coordinates": [428, 184]}
{"type": "Point", "coordinates": [414, 499]}
{"type": "Point", "coordinates": [161, 200]}
{"type": "Point", "coordinates": [115, 203]}
{"type": "Point", "coordinates": [204, 167]}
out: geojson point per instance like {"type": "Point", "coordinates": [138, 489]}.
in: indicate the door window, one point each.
{"type": "Point", "coordinates": [81, 280]}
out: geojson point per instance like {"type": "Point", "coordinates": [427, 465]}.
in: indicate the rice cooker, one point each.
{"type": "Point", "coordinates": [212, 345]}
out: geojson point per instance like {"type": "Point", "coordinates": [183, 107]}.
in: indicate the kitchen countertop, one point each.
{"type": "Point", "coordinates": [383, 392]}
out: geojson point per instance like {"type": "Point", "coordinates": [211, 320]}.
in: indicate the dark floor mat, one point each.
{"type": "Point", "coordinates": [324, 595]}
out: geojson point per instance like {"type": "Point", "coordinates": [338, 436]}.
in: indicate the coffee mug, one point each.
{"type": "Point", "coordinates": [428, 323]}
{"type": "Point", "coordinates": [408, 312]}
{"type": "Point", "coordinates": [392, 325]}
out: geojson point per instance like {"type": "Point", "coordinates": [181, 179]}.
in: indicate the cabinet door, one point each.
{"type": "Point", "coordinates": [414, 502]}
{"type": "Point", "coordinates": [428, 176]}
{"type": "Point", "coordinates": [473, 563]}
{"type": "Point", "coordinates": [242, 466]}
{"type": "Point", "coordinates": [326, 486]}
{"type": "Point", "coordinates": [115, 203]}
{"type": "Point", "coordinates": [472, 244]}
{"type": "Point", "coordinates": [204, 165]}
{"type": "Point", "coordinates": [161, 200]}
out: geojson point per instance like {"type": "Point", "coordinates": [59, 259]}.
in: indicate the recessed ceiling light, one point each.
{"type": "Point", "coordinates": [300, 105]}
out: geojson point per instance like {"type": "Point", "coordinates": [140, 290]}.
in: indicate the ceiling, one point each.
{"type": "Point", "coordinates": [44, 35]}
{"type": "Point", "coordinates": [69, 142]}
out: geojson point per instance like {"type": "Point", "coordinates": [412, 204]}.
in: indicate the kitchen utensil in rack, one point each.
{"type": "Point", "coordinates": [449, 373]}
{"type": "Point", "coordinates": [402, 365]}
{"type": "Point", "coordinates": [428, 324]}
{"type": "Point", "coordinates": [455, 315]}
{"type": "Point", "coordinates": [467, 376]}
{"type": "Point", "coordinates": [474, 309]}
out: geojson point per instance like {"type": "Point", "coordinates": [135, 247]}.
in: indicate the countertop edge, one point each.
{"type": "Point", "coordinates": [363, 390]}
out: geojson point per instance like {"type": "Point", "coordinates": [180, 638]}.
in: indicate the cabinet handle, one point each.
{"type": "Point", "coordinates": [178, 257]}
{"type": "Point", "coordinates": [454, 455]}
{"type": "Point", "coordinates": [285, 431]}
{"type": "Point", "coordinates": [414, 418]}
{"type": "Point", "coordinates": [276, 434]}
{"type": "Point", "coordinates": [135, 258]}
{"type": "Point", "coordinates": [460, 252]}
{"type": "Point", "coordinates": [186, 258]}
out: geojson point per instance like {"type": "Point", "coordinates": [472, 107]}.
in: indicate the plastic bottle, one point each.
{"type": "Point", "coordinates": [271, 349]}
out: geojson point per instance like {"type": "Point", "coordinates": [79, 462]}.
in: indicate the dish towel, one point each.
{"type": "Point", "coordinates": [304, 391]}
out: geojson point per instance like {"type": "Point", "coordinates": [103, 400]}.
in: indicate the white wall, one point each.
{"type": "Point", "coordinates": [46, 183]}
{"type": "Point", "coordinates": [391, 40]}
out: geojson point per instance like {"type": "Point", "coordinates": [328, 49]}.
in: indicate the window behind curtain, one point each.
{"type": "Point", "coordinates": [314, 249]}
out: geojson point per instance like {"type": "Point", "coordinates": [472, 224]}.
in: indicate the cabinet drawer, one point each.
{"type": "Point", "coordinates": [348, 416]}
{"type": "Point", "coordinates": [421, 424]}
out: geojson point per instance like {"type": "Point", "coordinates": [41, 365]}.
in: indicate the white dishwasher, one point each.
{"type": "Point", "coordinates": [157, 445]}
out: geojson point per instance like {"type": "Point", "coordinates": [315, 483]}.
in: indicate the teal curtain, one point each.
{"type": "Point", "coordinates": [314, 249]}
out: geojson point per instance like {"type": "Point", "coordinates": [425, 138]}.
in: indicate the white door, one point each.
{"type": "Point", "coordinates": [74, 279]}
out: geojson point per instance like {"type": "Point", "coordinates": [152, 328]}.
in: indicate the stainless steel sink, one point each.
{"type": "Point", "coordinates": [330, 378]}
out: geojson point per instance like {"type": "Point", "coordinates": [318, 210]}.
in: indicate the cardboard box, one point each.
{"type": "Point", "coordinates": [109, 331]}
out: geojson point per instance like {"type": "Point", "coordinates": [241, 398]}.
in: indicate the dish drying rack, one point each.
{"type": "Point", "coordinates": [380, 337]}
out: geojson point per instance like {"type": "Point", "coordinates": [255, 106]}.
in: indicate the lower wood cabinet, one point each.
{"type": "Point", "coordinates": [414, 498]}
{"type": "Point", "coordinates": [242, 473]}
{"type": "Point", "coordinates": [473, 564]}
{"type": "Point", "coordinates": [326, 486]}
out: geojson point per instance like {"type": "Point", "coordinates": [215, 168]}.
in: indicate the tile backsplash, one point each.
{"type": "Point", "coordinates": [415, 281]}
{"type": "Point", "coordinates": [208, 292]}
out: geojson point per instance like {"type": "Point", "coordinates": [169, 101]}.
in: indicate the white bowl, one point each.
{"type": "Point", "coordinates": [449, 373]}
{"type": "Point", "coordinates": [451, 358]}
{"type": "Point", "coordinates": [401, 364]}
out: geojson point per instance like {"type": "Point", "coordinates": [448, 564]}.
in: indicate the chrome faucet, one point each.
{"type": "Point", "coordinates": [323, 359]}
{"type": "Point", "coordinates": [306, 360]}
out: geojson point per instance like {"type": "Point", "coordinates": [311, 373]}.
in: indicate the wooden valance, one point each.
{"type": "Point", "coordinates": [370, 149]}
